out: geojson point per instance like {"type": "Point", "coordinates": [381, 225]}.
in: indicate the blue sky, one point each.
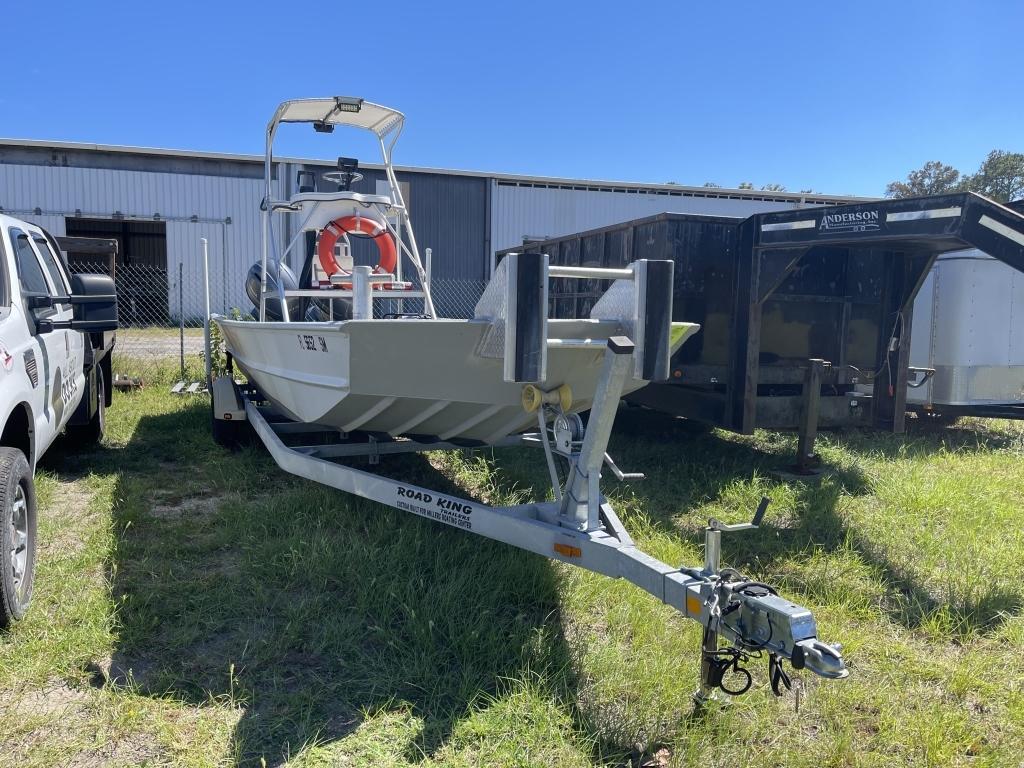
{"type": "Point", "coordinates": [837, 97]}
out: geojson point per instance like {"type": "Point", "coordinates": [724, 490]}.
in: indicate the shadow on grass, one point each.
{"type": "Point", "coordinates": [819, 525]}
{"type": "Point", "coordinates": [688, 464]}
{"type": "Point", "coordinates": [308, 608]}
{"type": "Point", "coordinates": [926, 436]}
{"type": "Point", "coordinates": [312, 610]}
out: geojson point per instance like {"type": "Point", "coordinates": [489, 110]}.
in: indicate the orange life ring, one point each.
{"type": "Point", "coordinates": [356, 225]}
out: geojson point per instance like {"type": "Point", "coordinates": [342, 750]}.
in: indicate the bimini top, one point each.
{"type": "Point", "coordinates": [339, 110]}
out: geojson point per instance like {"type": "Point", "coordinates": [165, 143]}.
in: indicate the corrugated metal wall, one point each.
{"type": "Point", "coordinates": [177, 198]}
{"type": "Point", "coordinates": [519, 211]}
{"type": "Point", "coordinates": [464, 219]}
{"type": "Point", "coordinates": [449, 215]}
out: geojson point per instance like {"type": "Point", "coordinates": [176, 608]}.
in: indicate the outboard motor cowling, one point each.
{"type": "Point", "coordinates": [252, 290]}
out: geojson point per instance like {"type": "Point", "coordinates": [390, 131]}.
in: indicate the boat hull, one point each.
{"type": "Point", "coordinates": [408, 377]}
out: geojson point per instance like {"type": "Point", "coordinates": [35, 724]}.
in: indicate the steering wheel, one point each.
{"type": "Point", "coordinates": [341, 178]}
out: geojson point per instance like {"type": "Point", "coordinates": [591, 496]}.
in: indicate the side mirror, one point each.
{"type": "Point", "coordinates": [94, 300]}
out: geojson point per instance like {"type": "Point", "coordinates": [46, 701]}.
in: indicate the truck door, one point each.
{"type": "Point", "coordinates": [52, 347]}
{"type": "Point", "coordinates": [60, 286]}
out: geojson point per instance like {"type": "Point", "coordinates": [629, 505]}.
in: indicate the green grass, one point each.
{"type": "Point", "coordinates": [196, 607]}
{"type": "Point", "coordinates": [163, 331]}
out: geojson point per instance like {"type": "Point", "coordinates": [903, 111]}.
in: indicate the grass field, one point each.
{"type": "Point", "coordinates": [196, 607]}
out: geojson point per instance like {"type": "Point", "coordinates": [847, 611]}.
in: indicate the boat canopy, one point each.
{"type": "Point", "coordinates": [339, 110]}
{"type": "Point", "coordinates": [320, 209]}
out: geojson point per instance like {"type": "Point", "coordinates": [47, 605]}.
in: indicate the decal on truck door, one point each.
{"type": "Point", "coordinates": [64, 388]}
{"type": "Point", "coordinates": [56, 401]}
{"type": "Point", "coordinates": [68, 388]}
{"type": "Point", "coordinates": [6, 358]}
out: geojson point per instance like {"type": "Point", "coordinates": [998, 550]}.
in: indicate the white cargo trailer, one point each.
{"type": "Point", "coordinates": [969, 328]}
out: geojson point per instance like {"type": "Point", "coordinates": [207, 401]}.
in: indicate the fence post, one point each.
{"type": "Point", "coordinates": [181, 316]}
{"type": "Point", "coordinates": [206, 317]}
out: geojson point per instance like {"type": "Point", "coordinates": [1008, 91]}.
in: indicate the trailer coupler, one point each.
{"type": "Point", "coordinates": [745, 620]}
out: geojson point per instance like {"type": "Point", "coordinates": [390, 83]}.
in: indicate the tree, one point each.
{"type": "Point", "coordinates": [1000, 177]}
{"type": "Point", "coordinates": [932, 179]}
{"type": "Point", "coordinates": [773, 188]}
{"type": "Point", "coordinates": [745, 185]}
{"type": "Point", "coordinates": [712, 185]}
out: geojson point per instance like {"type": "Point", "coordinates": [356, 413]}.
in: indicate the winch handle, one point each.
{"type": "Point", "coordinates": [761, 509]}
{"type": "Point", "coordinates": [718, 525]}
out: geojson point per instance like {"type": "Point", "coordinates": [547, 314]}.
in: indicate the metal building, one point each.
{"type": "Point", "coordinates": [158, 203]}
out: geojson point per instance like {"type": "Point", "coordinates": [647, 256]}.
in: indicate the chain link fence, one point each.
{"type": "Point", "coordinates": [160, 315]}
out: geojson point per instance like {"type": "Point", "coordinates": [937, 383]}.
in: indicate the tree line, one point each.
{"type": "Point", "coordinates": [1000, 177]}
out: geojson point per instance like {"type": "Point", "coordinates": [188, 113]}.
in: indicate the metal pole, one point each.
{"type": "Point", "coordinates": [362, 303]}
{"type": "Point", "coordinates": [181, 317]}
{"type": "Point", "coordinates": [223, 268]}
{"type": "Point", "coordinates": [810, 406]}
{"type": "Point", "coordinates": [430, 258]}
{"type": "Point", "coordinates": [206, 319]}
{"type": "Point", "coordinates": [581, 502]}
{"type": "Point", "coordinates": [710, 641]}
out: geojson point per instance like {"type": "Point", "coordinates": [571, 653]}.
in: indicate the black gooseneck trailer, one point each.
{"type": "Point", "coordinates": [805, 314]}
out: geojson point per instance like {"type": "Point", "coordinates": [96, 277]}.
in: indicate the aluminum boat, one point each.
{"type": "Point", "coordinates": [357, 348]}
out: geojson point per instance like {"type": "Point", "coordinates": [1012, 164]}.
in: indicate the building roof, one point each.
{"type": "Point", "coordinates": [501, 178]}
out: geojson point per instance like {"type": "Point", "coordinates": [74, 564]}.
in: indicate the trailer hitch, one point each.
{"type": "Point", "coordinates": [753, 621]}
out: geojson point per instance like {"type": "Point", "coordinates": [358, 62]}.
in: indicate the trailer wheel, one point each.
{"type": "Point", "coordinates": [91, 433]}
{"type": "Point", "coordinates": [17, 535]}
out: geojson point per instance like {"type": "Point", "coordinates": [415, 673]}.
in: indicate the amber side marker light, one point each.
{"type": "Point", "coordinates": [567, 550]}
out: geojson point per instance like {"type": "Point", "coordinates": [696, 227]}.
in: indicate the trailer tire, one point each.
{"type": "Point", "coordinates": [17, 535]}
{"type": "Point", "coordinates": [92, 433]}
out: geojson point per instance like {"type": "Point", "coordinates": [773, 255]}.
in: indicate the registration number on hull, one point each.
{"type": "Point", "coordinates": [310, 343]}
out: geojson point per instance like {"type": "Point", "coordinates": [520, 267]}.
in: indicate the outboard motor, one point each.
{"type": "Point", "coordinates": [252, 290]}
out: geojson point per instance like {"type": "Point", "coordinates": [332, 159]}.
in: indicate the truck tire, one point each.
{"type": "Point", "coordinates": [92, 433]}
{"type": "Point", "coordinates": [17, 535]}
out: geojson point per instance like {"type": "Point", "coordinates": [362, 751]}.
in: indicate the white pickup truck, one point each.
{"type": "Point", "coordinates": [56, 334]}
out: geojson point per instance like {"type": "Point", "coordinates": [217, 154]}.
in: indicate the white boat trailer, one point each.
{"type": "Point", "coordinates": [742, 619]}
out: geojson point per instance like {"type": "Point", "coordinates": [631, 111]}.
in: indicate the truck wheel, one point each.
{"type": "Point", "coordinates": [17, 535]}
{"type": "Point", "coordinates": [88, 434]}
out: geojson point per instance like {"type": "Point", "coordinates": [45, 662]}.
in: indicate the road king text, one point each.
{"type": "Point", "coordinates": [441, 502]}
